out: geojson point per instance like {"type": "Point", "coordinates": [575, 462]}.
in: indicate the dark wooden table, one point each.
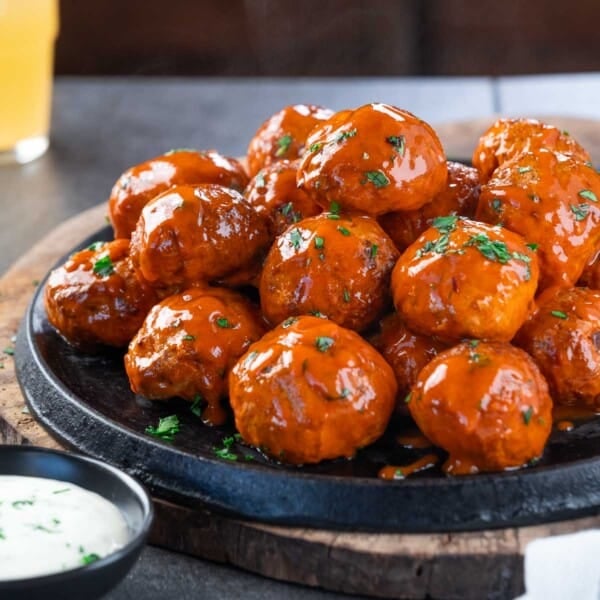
{"type": "Point", "coordinates": [102, 126]}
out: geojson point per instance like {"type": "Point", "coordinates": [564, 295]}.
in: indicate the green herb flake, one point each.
{"type": "Point", "coordinates": [167, 428]}
{"type": "Point", "coordinates": [319, 242]}
{"type": "Point", "coordinates": [527, 414]}
{"type": "Point", "coordinates": [493, 250]}
{"type": "Point", "coordinates": [224, 323]}
{"type": "Point", "coordinates": [19, 504]}
{"type": "Point", "coordinates": [580, 211]}
{"type": "Point", "coordinates": [9, 350]}
{"type": "Point", "coordinates": [399, 143]}
{"type": "Point", "coordinates": [188, 338]}
{"type": "Point", "coordinates": [283, 145]}
{"type": "Point", "coordinates": [89, 559]}
{"type": "Point", "coordinates": [196, 406]}
{"type": "Point", "coordinates": [497, 205]}
{"type": "Point", "coordinates": [445, 224]}
{"type": "Point", "coordinates": [588, 195]}
{"type": "Point", "coordinates": [408, 398]}
{"type": "Point", "coordinates": [377, 178]}
{"type": "Point", "coordinates": [61, 491]}
{"type": "Point", "coordinates": [334, 208]}
{"type": "Point", "coordinates": [533, 246]}
{"type": "Point", "coordinates": [398, 474]}
{"type": "Point", "coordinates": [345, 393]}
{"type": "Point", "coordinates": [104, 266]}
{"type": "Point", "coordinates": [95, 246]}
{"type": "Point", "coordinates": [343, 230]}
{"type": "Point", "coordinates": [346, 295]}
{"type": "Point", "coordinates": [289, 322]}
{"type": "Point", "coordinates": [534, 198]}
{"type": "Point", "coordinates": [295, 238]}
{"type": "Point", "coordinates": [2, 536]}
{"type": "Point", "coordinates": [315, 147]}
{"type": "Point", "coordinates": [225, 451]}
{"type": "Point", "coordinates": [286, 209]}
{"type": "Point", "coordinates": [373, 249]}
{"type": "Point", "coordinates": [559, 314]}
{"type": "Point", "coordinates": [523, 170]}
{"type": "Point", "coordinates": [345, 135]}
{"type": "Point", "coordinates": [323, 343]}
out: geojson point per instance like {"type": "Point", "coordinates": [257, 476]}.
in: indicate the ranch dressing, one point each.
{"type": "Point", "coordinates": [48, 526]}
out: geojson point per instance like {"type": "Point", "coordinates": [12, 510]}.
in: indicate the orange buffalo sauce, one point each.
{"type": "Point", "coordinates": [390, 472]}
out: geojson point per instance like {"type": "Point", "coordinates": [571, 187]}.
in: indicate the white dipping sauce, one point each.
{"type": "Point", "coordinates": [48, 526]}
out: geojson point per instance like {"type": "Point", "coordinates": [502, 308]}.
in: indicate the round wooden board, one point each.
{"type": "Point", "coordinates": [475, 565]}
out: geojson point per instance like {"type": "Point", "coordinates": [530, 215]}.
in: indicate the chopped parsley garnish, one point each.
{"type": "Point", "coordinates": [559, 314]}
{"type": "Point", "coordinates": [343, 230]}
{"type": "Point", "coordinates": [283, 144]}
{"type": "Point", "coordinates": [408, 398]}
{"type": "Point", "coordinates": [323, 343]}
{"type": "Point", "coordinates": [315, 147]}
{"type": "Point", "coordinates": [286, 208]}
{"type": "Point", "coordinates": [346, 295]}
{"type": "Point", "coordinates": [319, 242]}
{"type": "Point", "coordinates": [374, 248]}
{"type": "Point", "coordinates": [399, 143]}
{"type": "Point", "coordinates": [523, 170]}
{"type": "Point", "coordinates": [104, 266]}
{"type": "Point", "coordinates": [89, 559]}
{"type": "Point", "coordinates": [377, 178]}
{"type": "Point", "coordinates": [61, 491]}
{"type": "Point", "coordinates": [398, 474]}
{"type": "Point", "coordinates": [167, 428]}
{"type": "Point", "coordinates": [345, 392]}
{"type": "Point", "coordinates": [445, 224]}
{"type": "Point", "coordinates": [225, 451]}
{"type": "Point", "coordinates": [8, 350]}
{"type": "Point", "coordinates": [533, 246]}
{"type": "Point", "coordinates": [497, 205]}
{"type": "Point", "coordinates": [492, 249]}
{"type": "Point", "coordinates": [439, 246]}
{"type": "Point", "coordinates": [188, 338]}
{"type": "Point", "coordinates": [334, 208]}
{"type": "Point", "coordinates": [196, 406]}
{"type": "Point", "coordinates": [95, 246]}
{"type": "Point", "coordinates": [21, 503]}
{"type": "Point", "coordinates": [224, 323]}
{"type": "Point", "coordinates": [289, 322]}
{"type": "Point", "coordinates": [295, 238]}
{"type": "Point", "coordinates": [345, 135]}
{"type": "Point", "coordinates": [588, 195]}
{"type": "Point", "coordinates": [534, 198]}
{"type": "Point", "coordinates": [527, 414]}
{"type": "Point", "coordinates": [260, 179]}
{"type": "Point", "coordinates": [2, 536]}
{"type": "Point", "coordinates": [580, 211]}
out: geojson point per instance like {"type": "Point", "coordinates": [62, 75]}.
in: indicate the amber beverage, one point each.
{"type": "Point", "coordinates": [28, 29]}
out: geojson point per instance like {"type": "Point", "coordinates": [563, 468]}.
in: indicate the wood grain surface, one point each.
{"type": "Point", "coordinates": [472, 565]}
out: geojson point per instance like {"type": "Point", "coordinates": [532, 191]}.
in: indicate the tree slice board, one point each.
{"type": "Point", "coordinates": [473, 565]}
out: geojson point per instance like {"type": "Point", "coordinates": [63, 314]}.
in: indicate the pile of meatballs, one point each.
{"type": "Point", "coordinates": [347, 271]}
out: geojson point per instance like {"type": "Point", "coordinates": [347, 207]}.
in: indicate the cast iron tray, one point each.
{"type": "Point", "coordinates": [85, 402]}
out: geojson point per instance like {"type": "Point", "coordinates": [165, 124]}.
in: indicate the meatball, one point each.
{"type": "Point", "coordinates": [552, 201]}
{"type": "Point", "coordinates": [464, 279]}
{"type": "Point", "coordinates": [274, 192]}
{"type": "Point", "coordinates": [375, 159]}
{"type": "Point", "coordinates": [459, 197]}
{"type": "Point", "coordinates": [283, 135]}
{"type": "Point", "coordinates": [139, 184]}
{"type": "Point", "coordinates": [335, 265]}
{"type": "Point", "coordinates": [194, 234]}
{"type": "Point", "coordinates": [563, 336]}
{"type": "Point", "coordinates": [310, 390]}
{"type": "Point", "coordinates": [507, 138]}
{"type": "Point", "coordinates": [591, 274]}
{"type": "Point", "coordinates": [188, 344]}
{"type": "Point", "coordinates": [486, 404]}
{"type": "Point", "coordinates": [406, 352]}
{"type": "Point", "coordinates": [96, 298]}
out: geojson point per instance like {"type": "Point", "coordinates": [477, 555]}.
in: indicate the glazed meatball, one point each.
{"type": "Point", "coordinates": [335, 265]}
{"type": "Point", "coordinates": [274, 192]}
{"type": "Point", "coordinates": [188, 344]}
{"type": "Point", "coordinates": [375, 159]}
{"type": "Point", "coordinates": [283, 135]}
{"type": "Point", "coordinates": [406, 352]}
{"type": "Point", "coordinates": [96, 297]}
{"type": "Point", "coordinates": [311, 390]}
{"type": "Point", "coordinates": [486, 404]}
{"type": "Point", "coordinates": [563, 336]}
{"type": "Point", "coordinates": [459, 197]}
{"type": "Point", "coordinates": [553, 201]}
{"type": "Point", "coordinates": [194, 234]}
{"type": "Point", "coordinates": [139, 184]}
{"type": "Point", "coordinates": [464, 279]}
{"type": "Point", "coordinates": [507, 138]}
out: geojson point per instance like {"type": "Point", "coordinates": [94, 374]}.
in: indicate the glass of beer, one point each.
{"type": "Point", "coordinates": [28, 30]}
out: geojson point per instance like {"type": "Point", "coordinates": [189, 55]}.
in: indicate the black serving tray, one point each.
{"type": "Point", "coordinates": [85, 402]}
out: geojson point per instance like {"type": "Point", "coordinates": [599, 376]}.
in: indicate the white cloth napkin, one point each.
{"type": "Point", "coordinates": [563, 567]}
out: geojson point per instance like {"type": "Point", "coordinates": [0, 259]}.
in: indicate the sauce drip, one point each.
{"type": "Point", "coordinates": [390, 472]}
{"type": "Point", "coordinates": [413, 440]}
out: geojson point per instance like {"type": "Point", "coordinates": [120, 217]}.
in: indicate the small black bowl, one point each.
{"type": "Point", "coordinates": [96, 579]}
